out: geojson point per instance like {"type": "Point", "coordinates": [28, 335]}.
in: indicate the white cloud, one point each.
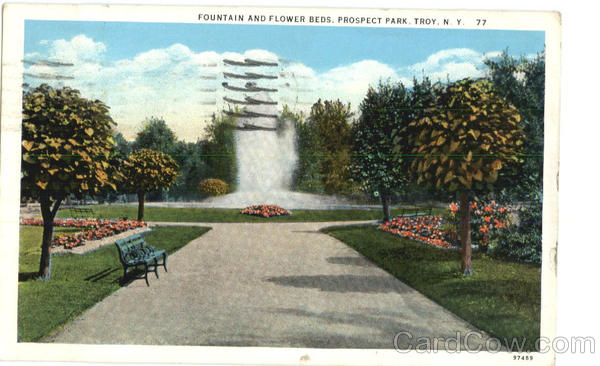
{"type": "Point", "coordinates": [179, 84]}
{"type": "Point", "coordinates": [79, 48]}
{"type": "Point", "coordinates": [350, 83]}
{"type": "Point", "coordinates": [452, 64]}
{"type": "Point", "coordinates": [32, 55]}
{"type": "Point", "coordinates": [437, 59]}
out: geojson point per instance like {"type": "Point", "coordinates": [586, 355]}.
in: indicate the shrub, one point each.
{"type": "Point", "coordinates": [213, 187]}
{"type": "Point", "coordinates": [522, 242]}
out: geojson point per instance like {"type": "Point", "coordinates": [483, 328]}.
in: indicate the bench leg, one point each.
{"type": "Point", "coordinates": [165, 261]}
{"type": "Point", "coordinates": [156, 267]}
{"type": "Point", "coordinates": [146, 274]}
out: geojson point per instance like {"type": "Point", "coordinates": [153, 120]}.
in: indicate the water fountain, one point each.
{"type": "Point", "coordinates": [265, 147]}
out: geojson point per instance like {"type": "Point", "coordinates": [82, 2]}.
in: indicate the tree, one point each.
{"type": "Point", "coordinates": [192, 169]}
{"type": "Point", "coordinates": [463, 141]}
{"type": "Point", "coordinates": [155, 135]}
{"type": "Point", "coordinates": [522, 83]}
{"type": "Point", "coordinates": [219, 152]}
{"type": "Point", "coordinates": [122, 146]}
{"type": "Point", "coordinates": [306, 175]}
{"type": "Point", "coordinates": [330, 126]}
{"type": "Point", "coordinates": [384, 112]}
{"type": "Point", "coordinates": [66, 149]}
{"type": "Point", "coordinates": [148, 170]}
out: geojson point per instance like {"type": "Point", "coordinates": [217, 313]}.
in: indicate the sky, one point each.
{"type": "Point", "coordinates": [175, 71]}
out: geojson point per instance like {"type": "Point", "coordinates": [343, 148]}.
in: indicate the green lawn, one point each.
{"type": "Point", "coordinates": [501, 298]}
{"type": "Point", "coordinates": [231, 215]}
{"type": "Point", "coordinates": [78, 281]}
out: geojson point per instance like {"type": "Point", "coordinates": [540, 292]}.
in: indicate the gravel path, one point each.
{"type": "Point", "coordinates": [273, 285]}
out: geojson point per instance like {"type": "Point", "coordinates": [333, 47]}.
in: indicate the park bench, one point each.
{"type": "Point", "coordinates": [416, 211]}
{"type": "Point", "coordinates": [134, 253]}
{"type": "Point", "coordinates": [83, 212]}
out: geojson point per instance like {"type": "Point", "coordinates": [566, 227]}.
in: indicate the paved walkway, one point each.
{"type": "Point", "coordinates": [283, 284]}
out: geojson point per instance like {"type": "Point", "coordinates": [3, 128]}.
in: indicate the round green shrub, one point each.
{"type": "Point", "coordinates": [213, 187]}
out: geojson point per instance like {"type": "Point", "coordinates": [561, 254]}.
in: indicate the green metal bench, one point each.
{"type": "Point", "coordinates": [81, 212]}
{"type": "Point", "coordinates": [134, 253]}
{"type": "Point", "coordinates": [416, 211]}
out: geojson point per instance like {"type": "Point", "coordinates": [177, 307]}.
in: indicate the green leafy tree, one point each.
{"type": "Point", "coordinates": [219, 152]}
{"type": "Point", "coordinates": [307, 176]}
{"type": "Point", "coordinates": [522, 83]}
{"type": "Point", "coordinates": [155, 135]}
{"type": "Point", "coordinates": [122, 146]}
{"type": "Point", "coordinates": [463, 142]}
{"type": "Point", "coordinates": [384, 113]}
{"type": "Point", "coordinates": [193, 169]}
{"type": "Point", "coordinates": [330, 124]}
{"type": "Point", "coordinates": [66, 149]}
{"type": "Point", "coordinates": [148, 170]}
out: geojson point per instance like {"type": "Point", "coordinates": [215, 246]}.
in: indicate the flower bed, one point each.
{"type": "Point", "coordinates": [95, 229]}
{"type": "Point", "coordinates": [425, 229]}
{"type": "Point", "coordinates": [487, 219]}
{"type": "Point", "coordinates": [266, 211]}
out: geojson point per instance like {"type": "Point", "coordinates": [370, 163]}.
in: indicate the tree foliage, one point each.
{"type": "Point", "coordinates": [384, 112]}
{"type": "Point", "coordinates": [122, 147]}
{"type": "Point", "coordinates": [329, 123]}
{"type": "Point", "coordinates": [465, 139]}
{"type": "Point", "coordinates": [219, 152]}
{"type": "Point", "coordinates": [66, 149]}
{"type": "Point", "coordinates": [148, 170]}
{"type": "Point", "coordinates": [307, 175]}
{"type": "Point", "coordinates": [67, 143]}
{"type": "Point", "coordinates": [522, 83]}
{"type": "Point", "coordinates": [155, 135]}
{"type": "Point", "coordinates": [192, 169]}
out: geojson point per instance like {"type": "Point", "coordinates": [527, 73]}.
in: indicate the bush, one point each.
{"type": "Point", "coordinates": [213, 187]}
{"type": "Point", "coordinates": [522, 242]}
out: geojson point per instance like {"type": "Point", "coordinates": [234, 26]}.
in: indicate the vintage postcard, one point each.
{"type": "Point", "coordinates": [279, 185]}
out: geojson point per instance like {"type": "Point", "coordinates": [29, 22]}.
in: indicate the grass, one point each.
{"type": "Point", "coordinates": [232, 215]}
{"type": "Point", "coordinates": [78, 281]}
{"type": "Point", "coordinates": [502, 298]}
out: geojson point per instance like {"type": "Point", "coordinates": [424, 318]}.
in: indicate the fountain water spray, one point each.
{"type": "Point", "coordinates": [265, 147]}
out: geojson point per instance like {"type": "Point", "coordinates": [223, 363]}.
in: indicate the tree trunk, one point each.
{"type": "Point", "coordinates": [465, 234]}
{"type": "Point", "coordinates": [48, 214]}
{"type": "Point", "coordinates": [141, 198]}
{"type": "Point", "coordinates": [386, 199]}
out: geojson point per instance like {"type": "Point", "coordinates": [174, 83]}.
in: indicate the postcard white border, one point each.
{"type": "Point", "coordinates": [13, 28]}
